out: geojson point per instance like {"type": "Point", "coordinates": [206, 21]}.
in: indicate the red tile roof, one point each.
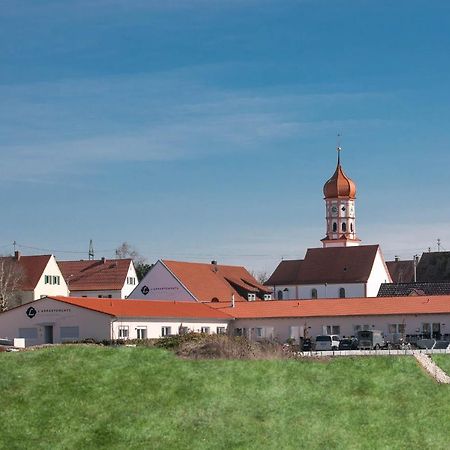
{"type": "Point", "coordinates": [33, 267]}
{"type": "Point", "coordinates": [327, 265]}
{"type": "Point", "coordinates": [339, 307]}
{"type": "Point", "coordinates": [108, 274]}
{"type": "Point", "coordinates": [144, 308]}
{"type": "Point", "coordinates": [209, 281]}
{"type": "Point", "coordinates": [287, 272]}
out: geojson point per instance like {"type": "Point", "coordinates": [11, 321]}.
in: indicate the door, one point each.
{"type": "Point", "coordinates": [48, 334]}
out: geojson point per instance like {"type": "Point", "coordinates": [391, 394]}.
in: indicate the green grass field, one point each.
{"type": "Point", "coordinates": [443, 361]}
{"type": "Point", "coordinates": [93, 397]}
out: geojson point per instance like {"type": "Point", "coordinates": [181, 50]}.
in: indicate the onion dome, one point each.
{"type": "Point", "coordinates": [339, 185]}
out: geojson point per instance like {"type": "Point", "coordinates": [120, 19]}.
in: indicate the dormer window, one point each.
{"type": "Point", "coordinates": [251, 297]}
{"type": "Point", "coordinates": [314, 293]}
{"type": "Point", "coordinates": [267, 296]}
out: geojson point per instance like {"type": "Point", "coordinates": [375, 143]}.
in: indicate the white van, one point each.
{"type": "Point", "coordinates": [327, 342]}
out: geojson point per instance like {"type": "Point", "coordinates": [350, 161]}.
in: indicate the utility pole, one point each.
{"type": "Point", "coordinates": [91, 250]}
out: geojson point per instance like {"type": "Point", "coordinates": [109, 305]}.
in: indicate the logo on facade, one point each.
{"type": "Point", "coordinates": [145, 290]}
{"type": "Point", "coordinates": [31, 312]}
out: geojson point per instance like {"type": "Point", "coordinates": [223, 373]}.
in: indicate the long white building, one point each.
{"type": "Point", "coordinates": [61, 319]}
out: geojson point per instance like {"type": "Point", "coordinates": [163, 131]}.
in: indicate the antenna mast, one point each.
{"type": "Point", "coordinates": [91, 250]}
{"type": "Point", "coordinates": [439, 244]}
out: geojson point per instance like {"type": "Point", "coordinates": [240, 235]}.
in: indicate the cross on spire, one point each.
{"type": "Point", "coordinates": [338, 147]}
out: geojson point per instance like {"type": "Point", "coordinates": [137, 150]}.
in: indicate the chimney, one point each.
{"type": "Point", "coordinates": [17, 255]}
{"type": "Point", "coordinates": [397, 258]}
{"type": "Point", "coordinates": [103, 260]}
{"type": "Point", "coordinates": [232, 301]}
{"type": "Point", "coordinates": [214, 265]}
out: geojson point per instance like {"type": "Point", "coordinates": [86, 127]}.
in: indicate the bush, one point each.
{"type": "Point", "coordinates": [220, 346]}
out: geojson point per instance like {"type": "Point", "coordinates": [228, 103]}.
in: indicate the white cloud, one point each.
{"type": "Point", "coordinates": [58, 127]}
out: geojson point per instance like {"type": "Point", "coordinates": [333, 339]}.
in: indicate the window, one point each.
{"type": "Point", "coordinates": [123, 332]}
{"type": "Point", "coordinates": [357, 328]}
{"type": "Point", "coordinates": [313, 293]}
{"type": "Point", "coordinates": [141, 332]}
{"type": "Point", "coordinates": [267, 296]}
{"type": "Point", "coordinates": [259, 333]}
{"type": "Point", "coordinates": [28, 333]}
{"type": "Point", "coordinates": [351, 227]}
{"type": "Point", "coordinates": [394, 328]}
{"type": "Point", "coordinates": [205, 330]}
{"type": "Point", "coordinates": [334, 227]}
{"type": "Point", "coordinates": [52, 279]}
{"type": "Point", "coordinates": [280, 295]}
{"type": "Point", "coordinates": [332, 329]}
{"type": "Point", "coordinates": [221, 330]}
{"type": "Point", "coordinates": [131, 280]}
{"type": "Point", "coordinates": [166, 331]}
{"type": "Point", "coordinates": [240, 332]}
{"type": "Point", "coordinates": [341, 293]}
{"type": "Point", "coordinates": [69, 332]}
{"type": "Point", "coordinates": [251, 297]}
{"type": "Point", "coordinates": [183, 330]}
{"type": "Point", "coordinates": [344, 227]}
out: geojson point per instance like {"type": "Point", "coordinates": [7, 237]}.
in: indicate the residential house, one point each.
{"type": "Point", "coordinates": [39, 276]}
{"type": "Point", "coordinates": [199, 282]}
{"type": "Point", "coordinates": [103, 278]}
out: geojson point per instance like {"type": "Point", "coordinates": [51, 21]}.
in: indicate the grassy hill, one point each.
{"type": "Point", "coordinates": [94, 397]}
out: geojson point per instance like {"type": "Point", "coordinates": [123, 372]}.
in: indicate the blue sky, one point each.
{"type": "Point", "coordinates": [199, 130]}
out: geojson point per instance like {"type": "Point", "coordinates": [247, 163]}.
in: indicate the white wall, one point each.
{"type": "Point", "coordinates": [128, 288]}
{"type": "Point", "coordinates": [95, 294]}
{"type": "Point", "coordinates": [57, 314]}
{"type": "Point", "coordinates": [154, 326]}
{"type": "Point", "coordinates": [162, 285]}
{"type": "Point", "coordinates": [378, 275]}
{"type": "Point", "coordinates": [314, 326]}
{"type": "Point", "coordinates": [323, 291]}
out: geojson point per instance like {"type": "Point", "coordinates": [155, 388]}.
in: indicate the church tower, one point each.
{"type": "Point", "coordinates": [340, 195]}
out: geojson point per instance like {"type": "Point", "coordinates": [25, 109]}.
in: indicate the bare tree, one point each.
{"type": "Point", "coordinates": [11, 277]}
{"type": "Point", "coordinates": [125, 250]}
{"type": "Point", "coordinates": [261, 277]}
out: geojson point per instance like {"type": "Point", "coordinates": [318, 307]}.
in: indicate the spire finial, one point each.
{"type": "Point", "coordinates": [338, 147]}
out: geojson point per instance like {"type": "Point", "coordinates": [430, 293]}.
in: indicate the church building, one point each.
{"type": "Point", "coordinates": [342, 267]}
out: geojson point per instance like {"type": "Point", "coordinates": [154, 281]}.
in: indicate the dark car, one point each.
{"type": "Point", "coordinates": [306, 345]}
{"type": "Point", "coordinates": [348, 344]}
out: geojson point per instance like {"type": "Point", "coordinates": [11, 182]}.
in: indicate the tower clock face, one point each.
{"type": "Point", "coordinates": [334, 210]}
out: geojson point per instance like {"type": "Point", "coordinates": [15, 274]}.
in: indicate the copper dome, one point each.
{"type": "Point", "coordinates": [339, 185]}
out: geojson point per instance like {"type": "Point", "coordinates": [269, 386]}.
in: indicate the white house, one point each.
{"type": "Point", "coordinates": [199, 282]}
{"type": "Point", "coordinates": [62, 319]}
{"type": "Point", "coordinates": [39, 276]}
{"type": "Point", "coordinates": [103, 278]}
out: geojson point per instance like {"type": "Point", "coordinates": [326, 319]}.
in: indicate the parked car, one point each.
{"type": "Point", "coordinates": [371, 339]}
{"type": "Point", "coordinates": [327, 342]}
{"type": "Point", "coordinates": [348, 344]}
